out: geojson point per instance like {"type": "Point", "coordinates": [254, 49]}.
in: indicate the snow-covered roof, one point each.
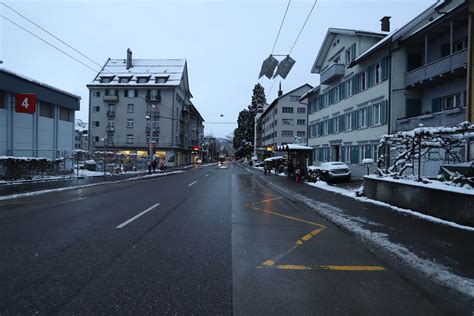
{"type": "Point", "coordinates": [293, 147]}
{"type": "Point", "coordinates": [39, 83]}
{"type": "Point", "coordinates": [171, 69]}
{"type": "Point", "coordinates": [311, 91]}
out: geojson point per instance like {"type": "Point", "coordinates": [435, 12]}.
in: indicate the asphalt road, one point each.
{"type": "Point", "coordinates": [206, 241]}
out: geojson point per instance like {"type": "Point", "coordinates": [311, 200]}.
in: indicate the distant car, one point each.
{"type": "Point", "coordinates": [259, 164]}
{"type": "Point", "coordinates": [333, 170]}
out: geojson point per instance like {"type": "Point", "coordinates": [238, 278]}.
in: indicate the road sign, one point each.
{"type": "Point", "coordinates": [268, 67]}
{"type": "Point", "coordinates": [284, 67]}
{"type": "Point", "coordinates": [25, 103]}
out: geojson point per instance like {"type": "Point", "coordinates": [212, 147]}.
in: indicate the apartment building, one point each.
{"type": "Point", "coordinates": [284, 121]}
{"type": "Point", "coordinates": [36, 120]}
{"type": "Point", "coordinates": [81, 139]}
{"type": "Point", "coordinates": [348, 110]}
{"type": "Point", "coordinates": [388, 82]}
{"type": "Point", "coordinates": [136, 104]}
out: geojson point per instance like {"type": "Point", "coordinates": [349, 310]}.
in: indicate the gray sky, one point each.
{"type": "Point", "coordinates": [224, 42]}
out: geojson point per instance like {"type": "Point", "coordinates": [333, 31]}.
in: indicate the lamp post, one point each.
{"type": "Point", "coordinates": [103, 156]}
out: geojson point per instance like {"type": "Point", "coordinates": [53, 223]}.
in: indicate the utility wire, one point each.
{"type": "Point", "coordinates": [35, 24]}
{"type": "Point", "coordinates": [45, 41]}
{"type": "Point", "coordinates": [281, 25]}
{"type": "Point", "coordinates": [304, 24]}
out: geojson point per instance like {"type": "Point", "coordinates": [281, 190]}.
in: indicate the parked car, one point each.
{"type": "Point", "coordinates": [333, 170]}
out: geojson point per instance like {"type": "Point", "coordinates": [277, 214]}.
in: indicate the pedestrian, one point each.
{"type": "Point", "coordinates": [290, 169]}
{"type": "Point", "coordinates": [154, 164]}
{"type": "Point", "coordinates": [298, 174]}
{"type": "Point", "coordinates": [162, 165]}
{"type": "Point", "coordinates": [149, 167]}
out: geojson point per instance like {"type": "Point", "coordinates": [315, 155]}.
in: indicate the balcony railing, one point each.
{"type": "Point", "coordinates": [110, 129]}
{"type": "Point", "coordinates": [436, 68]}
{"type": "Point", "coordinates": [111, 98]}
{"type": "Point", "coordinates": [332, 73]}
{"type": "Point", "coordinates": [153, 98]}
{"type": "Point", "coordinates": [154, 113]}
{"type": "Point", "coordinates": [110, 113]}
{"type": "Point", "coordinates": [449, 117]}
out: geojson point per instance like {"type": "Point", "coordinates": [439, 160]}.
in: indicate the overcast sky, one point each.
{"type": "Point", "coordinates": [224, 42]}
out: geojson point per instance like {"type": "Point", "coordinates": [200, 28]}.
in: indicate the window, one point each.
{"type": "Point", "coordinates": [105, 79]}
{"type": "Point", "coordinates": [130, 93]}
{"type": "Point", "coordinates": [301, 122]}
{"type": "Point", "coordinates": [295, 98]}
{"type": "Point", "coordinates": [96, 124]}
{"type": "Point", "coordinates": [129, 139]}
{"type": "Point", "coordinates": [96, 139]}
{"type": "Point", "coordinates": [350, 53]}
{"type": "Point", "coordinates": [111, 92]}
{"type": "Point", "coordinates": [287, 109]}
{"type": "Point", "coordinates": [287, 121]}
{"type": "Point", "coordinates": [124, 79]}
{"type": "Point", "coordinates": [275, 111]}
{"type": "Point", "coordinates": [363, 80]}
{"type": "Point", "coordinates": [301, 133]}
{"type": "Point", "coordinates": [348, 122]}
{"type": "Point", "coordinates": [130, 108]}
{"type": "Point", "coordinates": [301, 110]}
{"type": "Point", "coordinates": [130, 123]}
{"type": "Point", "coordinates": [96, 108]}
{"type": "Point", "coordinates": [378, 73]}
{"type": "Point", "coordinates": [155, 95]}
{"type": "Point", "coordinates": [65, 114]}
{"type": "Point", "coordinates": [458, 45]}
{"type": "Point", "coordinates": [161, 80]}
{"type": "Point", "coordinates": [46, 109]}
{"type": "Point", "coordinates": [362, 118]}
{"type": "Point", "coordinates": [111, 124]}
{"type": "Point", "coordinates": [142, 79]}
{"type": "Point", "coordinates": [287, 133]}
{"type": "Point", "coordinates": [97, 94]}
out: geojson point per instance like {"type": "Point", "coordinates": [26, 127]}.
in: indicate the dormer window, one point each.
{"type": "Point", "coordinates": [142, 79]}
{"type": "Point", "coordinates": [161, 79]}
{"type": "Point", "coordinates": [124, 79]}
{"type": "Point", "coordinates": [105, 79]}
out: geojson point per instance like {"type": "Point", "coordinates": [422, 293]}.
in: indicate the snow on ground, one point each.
{"type": "Point", "coordinates": [432, 184]}
{"type": "Point", "coordinates": [351, 193]}
{"type": "Point", "coordinates": [432, 270]}
{"type": "Point", "coordinates": [14, 196]}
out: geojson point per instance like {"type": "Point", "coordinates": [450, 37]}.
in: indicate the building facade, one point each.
{"type": "Point", "coordinates": [372, 84]}
{"type": "Point", "coordinates": [348, 110]}
{"type": "Point", "coordinates": [284, 121]}
{"type": "Point", "coordinates": [48, 131]}
{"type": "Point", "coordinates": [81, 139]}
{"type": "Point", "coordinates": [138, 104]}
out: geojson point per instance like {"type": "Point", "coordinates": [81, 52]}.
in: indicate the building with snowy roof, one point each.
{"type": "Point", "coordinates": [391, 81]}
{"type": "Point", "coordinates": [138, 104]}
{"type": "Point", "coordinates": [36, 119]}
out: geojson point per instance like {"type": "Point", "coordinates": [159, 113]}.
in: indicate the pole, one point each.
{"type": "Point", "coordinates": [419, 158]}
{"type": "Point", "coordinates": [470, 72]}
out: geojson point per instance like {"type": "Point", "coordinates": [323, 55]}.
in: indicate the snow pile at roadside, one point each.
{"type": "Point", "coordinates": [352, 194]}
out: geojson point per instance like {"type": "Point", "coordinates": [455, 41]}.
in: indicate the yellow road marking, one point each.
{"type": "Point", "coordinates": [268, 200]}
{"type": "Point", "coordinates": [269, 262]}
{"type": "Point", "coordinates": [289, 217]}
{"type": "Point", "coordinates": [307, 237]}
{"type": "Point", "coordinates": [322, 267]}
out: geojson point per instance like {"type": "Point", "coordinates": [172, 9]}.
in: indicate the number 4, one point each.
{"type": "Point", "coordinates": [25, 103]}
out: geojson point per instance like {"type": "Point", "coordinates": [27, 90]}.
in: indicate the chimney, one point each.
{"type": "Point", "coordinates": [129, 58]}
{"type": "Point", "coordinates": [280, 93]}
{"type": "Point", "coordinates": [385, 25]}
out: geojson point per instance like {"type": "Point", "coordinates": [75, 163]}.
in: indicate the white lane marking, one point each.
{"type": "Point", "coordinates": [207, 174]}
{"type": "Point", "coordinates": [192, 183]}
{"type": "Point", "coordinates": [137, 216]}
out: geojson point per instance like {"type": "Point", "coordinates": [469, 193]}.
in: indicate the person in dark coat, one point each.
{"type": "Point", "coordinates": [154, 163]}
{"type": "Point", "coordinates": [291, 169]}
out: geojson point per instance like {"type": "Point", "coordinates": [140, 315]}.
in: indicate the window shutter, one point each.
{"type": "Point", "coordinates": [136, 93]}
{"type": "Point", "coordinates": [116, 92]}
{"type": "Point", "coordinates": [148, 94]}
{"type": "Point", "coordinates": [435, 105]}
{"type": "Point", "coordinates": [384, 68]}
{"type": "Point", "coordinates": [370, 76]}
{"type": "Point", "coordinates": [353, 120]}
{"type": "Point", "coordinates": [383, 112]}
{"type": "Point", "coordinates": [343, 153]}
{"type": "Point", "coordinates": [342, 126]}
{"type": "Point", "coordinates": [353, 51]}
{"type": "Point", "coordinates": [125, 93]}
{"type": "Point", "coordinates": [369, 116]}
{"type": "Point", "coordinates": [413, 107]}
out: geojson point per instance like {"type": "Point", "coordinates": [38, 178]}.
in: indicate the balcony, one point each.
{"type": "Point", "coordinates": [449, 117]}
{"type": "Point", "coordinates": [110, 129]}
{"type": "Point", "coordinates": [155, 114]}
{"type": "Point", "coordinates": [110, 113]}
{"type": "Point", "coordinates": [332, 73]}
{"type": "Point", "coordinates": [153, 98]}
{"type": "Point", "coordinates": [111, 98]}
{"type": "Point", "coordinates": [436, 68]}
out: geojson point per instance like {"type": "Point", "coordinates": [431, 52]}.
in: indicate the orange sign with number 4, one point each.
{"type": "Point", "coordinates": [25, 103]}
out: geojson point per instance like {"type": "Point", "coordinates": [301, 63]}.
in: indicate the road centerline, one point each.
{"type": "Point", "coordinates": [192, 183]}
{"type": "Point", "coordinates": [137, 216]}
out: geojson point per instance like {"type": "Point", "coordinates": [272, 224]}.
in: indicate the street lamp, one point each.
{"type": "Point", "coordinates": [103, 156]}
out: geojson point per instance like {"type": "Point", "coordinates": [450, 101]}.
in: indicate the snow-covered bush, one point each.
{"type": "Point", "coordinates": [16, 168]}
